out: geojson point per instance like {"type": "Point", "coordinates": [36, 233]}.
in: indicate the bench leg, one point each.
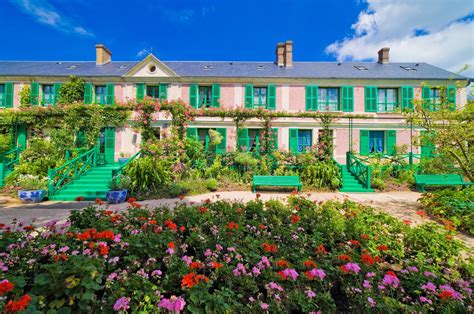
{"type": "Point", "coordinates": [254, 188]}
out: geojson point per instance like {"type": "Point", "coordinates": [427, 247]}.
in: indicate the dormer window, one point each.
{"type": "Point", "coordinates": [361, 68]}
{"type": "Point", "coordinates": [207, 67]}
{"type": "Point", "coordinates": [407, 68]}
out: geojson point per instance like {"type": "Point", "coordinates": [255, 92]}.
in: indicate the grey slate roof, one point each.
{"type": "Point", "coordinates": [343, 70]}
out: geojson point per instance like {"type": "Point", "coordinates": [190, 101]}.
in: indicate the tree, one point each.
{"type": "Point", "coordinates": [450, 132]}
{"type": "Point", "coordinates": [72, 91]}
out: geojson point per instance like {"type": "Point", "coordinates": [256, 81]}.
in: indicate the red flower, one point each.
{"type": "Point", "coordinates": [270, 247]}
{"type": "Point", "coordinates": [406, 221]}
{"type": "Point", "coordinates": [16, 306]}
{"type": "Point", "coordinates": [171, 245]}
{"type": "Point", "coordinates": [354, 242]}
{"type": "Point", "coordinates": [171, 225]}
{"type": "Point", "coordinates": [79, 198]}
{"type": "Point", "coordinates": [104, 249]}
{"type": "Point", "coordinates": [181, 197]}
{"type": "Point", "coordinates": [309, 263]}
{"type": "Point", "coordinates": [152, 222]}
{"type": "Point", "coordinates": [5, 286]}
{"type": "Point", "coordinates": [367, 259]}
{"type": "Point", "coordinates": [321, 249]}
{"type": "Point", "coordinates": [196, 265]}
{"type": "Point", "coordinates": [28, 228]}
{"type": "Point", "coordinates": [421, 213]}
{"type": "Point", "coordinates": [232, 225]}
{"type": "Point", "coordinates": [344, 257]}
{"type": "Point", "coordinates": [203, 209]}
{"type": "Point", "coordinates": [182, 228]}
{"type": "Point", "coordinates": [364, 236]}
{"type": "Point", "coordinates": [262, 227]}
{"type": "Point", "coordinates": [294, 219]}
{"type": "Point", "coordinates": [382, 248]}
{"type": "Point", "coordinates": [216, 265]}
{"type": "Point", "coordinates": [258, 195]}
{"type": "Point", "coordinates": [282, 275]}
{"type": "Point", "coordinates": [131, 200]}
{"type": "Point", "coordinates": [445, 294]}
{"type": "Point", "coordinates": [191, 279]}
{"type": "Point", "coordinates": [308, 274]}
{"type": "Point", "coordinates": [98, 201]}
{"type": "Point", "coordinates": [343, 268]}
{"type": "Point", "coordinates": [282, 263]}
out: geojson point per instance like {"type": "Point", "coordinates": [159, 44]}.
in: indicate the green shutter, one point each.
{"type": "Point", "coordinates": [109, 145]}
{"type": "Point", "coordinates": [274, 137]}
{"type": "Point", "coordinates": [21, 133]}
{"type": "Point", "coordinates": [293, 142]}
{"type": "Point", "coordinates": [9, 95]}
{"type": "Point", "coordinates": [311, 97]}
{"type": "Point", "coordinates": [391, 141]}
{"type": "Point", "coordinates": [370, 94]}
{"type": "Point", "coordinates": [192, 133]}
{"type": "Point", "coordinates": [425, 93]}
{"type": "Point", "coordinates": [163, 91]}
{"type": "Point", "coordinates": [451, 97]}
{"type": "Point", "coordinates": [221, 147]}
{"type": "Point", "coordinates": [194, 95]}
{"type": "Point", "coordinates": [364, 142]}
{"type": "Point", "coordinates": [407, 98]}
{"type": "Point", "coordinates": [347, 98]}
{"type": "Point", "coordinates": [140, 95]}
{"type": "Point", "coordinates": [243, 139]}
{"type": "Point", "coordinates": [271, 101]}
{"type": "Point", "coordinates": [249, 96]}
{"type": "Point", "coordinates": [109, 93]}
{"type": "Point", "coordinates": [34, 93]}
{"type": "Point", "coordinates": [216, 95]}
{"type": "Point", "coordinates": [57, 89]}
{"type": "Point", "coordinates": [88, 93]}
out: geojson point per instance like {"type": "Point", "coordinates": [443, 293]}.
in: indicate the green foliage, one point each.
{"type": "Point", "coordinates": [120, 182]}
{"type": "Point", "coordinates": [148, 174]}
{"type": "Point", "coordinates": [24, 95]}
{"type": "Point", "coordinates": [5, 143]}
{"type": "Point", "coordinates": [72, 91]}
{"type": "Point", "coordinates": [29, 182]}
{"type": "Point", "coordinates": [211, 184]}
{"type": "Point", "coordinates": [452, 206]}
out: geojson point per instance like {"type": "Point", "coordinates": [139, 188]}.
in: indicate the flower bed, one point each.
{"type": "Point", "coordinates": [231, 257]}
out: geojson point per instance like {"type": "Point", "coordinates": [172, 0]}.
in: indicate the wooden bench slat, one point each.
{"type": "Point", "coordinates": [276, 181]}
{"type": "Point", "coordinates": [423, 180]}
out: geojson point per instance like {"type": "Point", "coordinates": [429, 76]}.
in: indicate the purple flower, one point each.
{"type": "Point", "coordinates": [208, 253]}
{"type": "Point", "coordinates": [429, 274]}
{"type": "Point", "coordinates": [366, 284]}
{"type": "Point", "coordinates": [275, 286]}
{"type": "Point", "coordinates": [310, 294]}
{"type": "Point", "coordinates": [264, 306]}
{"type": "Point", "coordinates": [425, 300]}
{"type": "Point", "coordinates": [371, 301]}
{"type": "Point", "coordinates": [353, 266]}
{"type": "Point", "coordinates": [186, 259]}
{"type": "Point", "coordinates": [117, 238]}
{"type": "Point", "coordinates": [256, 271]}
{"type": "Point", "coordinates": [170, 251]}
{"type": "Point", "coordinates": [156, 273]}
{"type": "Point", "coordinates": [429, 286]}
{"type": "Point", "coordinates": [370, 275]}
{"type": "Point", "coordinates": [290, 272]}
{"type": "Point", "coordinates": [391, 280]}
{"type": "Point", "coordinates": [413, 269]}
{"type": "Point", "coordinates": [318, 273]}
{"type": "Point", "coordinates": [173, 304]}
{"type": "Point", "coordinates": [121, 304]}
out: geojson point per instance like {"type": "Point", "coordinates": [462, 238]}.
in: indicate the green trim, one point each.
{"type": "Point", "coordinates": [370, 98]}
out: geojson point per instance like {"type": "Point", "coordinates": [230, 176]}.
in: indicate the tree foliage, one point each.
{"type": "Point", "coordinates": [72, 91]}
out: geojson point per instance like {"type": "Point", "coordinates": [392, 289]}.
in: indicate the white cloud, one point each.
{"type": "Point", "coordinates": [142, 53]}
{"type": "Point", "coordinates": [45, 13]}
{"type": "Point", "coordinates": [438, 32]}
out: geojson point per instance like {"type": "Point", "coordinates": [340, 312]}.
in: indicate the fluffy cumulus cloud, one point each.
{"type": "Point", "coordinates": [438, 32]}
{"type": "Point", "coordinates": [45, 13]}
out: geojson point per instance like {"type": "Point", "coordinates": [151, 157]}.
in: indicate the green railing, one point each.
{"type": "Point", "coordinates": [8, 160]}
{"type": "Point", "coordinates": [71, 170]}
{"type": "Point", "coordinates": [360, 170]}
{"type": "Point", "coordinates": [120, 169]}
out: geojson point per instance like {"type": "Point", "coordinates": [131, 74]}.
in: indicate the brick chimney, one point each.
{"type": "Point", "coordinates": [289, 54]}
{"type": "Point", "coordinates": [280, 54]}
{"type": "Point", "coordinates": [102, 55]}
{"type": "Point", "coordinates": [383, 55]}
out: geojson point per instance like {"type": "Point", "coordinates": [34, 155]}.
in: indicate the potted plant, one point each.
{"type": "Point", "coordinates": [124, 157]}
{"type": "Point", "coordinates": [118, 189]}
{"type": "Point", "coordinates": [32, 189]}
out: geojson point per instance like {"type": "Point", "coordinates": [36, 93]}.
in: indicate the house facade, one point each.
{"type": "Point", "coordinates": [377, 90]}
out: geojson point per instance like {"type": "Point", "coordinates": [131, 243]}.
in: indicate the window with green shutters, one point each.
{"type": "Point", "coordinates": [248, 139]}
{"type": "Point", "coordinates": [204, 96]}
{"type": "Point", "coordinates": [300, 140]}
{"type": "Point", "coordinates": [387, 99]}
{"type": "Point", "coordinates": [430, 98]}
{"type": "Point", "coordinates": [370, 97]}
{"type": "Point", "coordinates": [347, 98]}
{"type": "Point", "coordinates": [100, 95]}
{"type": "Point", "coordinates": [222, 146]}
{"type": "Point", "coordinates": [407, 98]}
{"type": "Point", "coordinates": [157, 92]}
{"type": "Point", "coordinates": [3, 98]}
{"type": "Point", "coordinates": [140, 91]}
{"type": "Point", "coordinates": [451, 97]}
{"type": "Point", "coordinates": [110, 94]}
{"type": "Point", "coordinates": [260, 96]}
{"type": "Point", "coordinates": [202, 135]}
{"type": "Point", "coordinates": [328, 99]}
{"type": "Point", "coordinates": [377, 142]}
{"type": "Point", "coordinates": [34, 93]}
{"type": "Point", "coordinates": [48, 95]}
{"type": "Point", "coordinates": [311, 97]}
{"type": "Point", "coordinates": [8, 95]}
{"type": "Point", "coordinates": [248, 99]}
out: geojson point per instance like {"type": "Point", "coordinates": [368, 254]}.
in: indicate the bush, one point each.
{"type": "Point", "coordinates": [148, 174]}
{"type": "Point", "coordinates": [454, 207]}
{"type": "Point", "coordinates": [29, 182]}
{"type": "Point", "coordinates": [232, 257]}
{"type": "Point", "coordinates": [212, 184]}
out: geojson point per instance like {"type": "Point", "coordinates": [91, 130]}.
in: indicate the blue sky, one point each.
{"type": "Point", "coordinates": [238, 30]}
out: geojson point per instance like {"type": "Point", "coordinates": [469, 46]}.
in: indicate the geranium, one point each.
{"type": "Point", "coordinates": [282, 263]}
{"type": "Point", "coordinates": [310, 294]}
{"type": "Point", "coordinates": [354, 267]}
{"type": "Point", "coordinates": [288, 273]}
{"type": "Point", "coordinates": [270, 247]}
{"type": "Point", "coordinates": [173, 304]}
{"type": "Point", "coordinates": [16, 306]}
{"type": "Point", "coordinates": [232, 225]}
{"type": "Point", "coordinates": [354, 242]}
{"type": "Point", "coordinates": [344, 257]}
{"type": "Point", "coordinates": [122, 304]}
{"type": "Point", "coordinates": [191, 279]}
{"type": "Point", "coordinates": [390, 278]}
{"type": "Point", "coordinates": [216, 265]}
{"type": "Point", "coordinates": [196, 265]}
{"type": "Point", "coordinates": [309, 263]}
{"type": "Point", "coordinates": [321, 249]}
{"type": "Point", "coordinates": [5, 286]}
{"type": "Point", "coordinates": [382, 247]}
{"type": "Point", "coordinates": [294, 218]}
{"type": "Point", "coordinates": [367, 259]}
{"type": "Point", "coordinates": [317, 273]}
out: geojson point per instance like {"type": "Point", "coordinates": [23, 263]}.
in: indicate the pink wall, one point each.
{"type": "Point", "coordinates": [342, 141]}
{"type": "Point", "coordinates": [359, 105]}
{"type": "Point", "coordinates": [403, 138]}
{"type": "Point", "coordinates": [16, 95]}
{"type": "Point", "coordinates": [227, 96]}
{"type": "Point", "coordinates": [231, 138]}
{"type": "Point", "coordinates": [417, 93]}
{"type": "Point", "coordinates": [118, 93]}
{"type": "Point", "coordinates": [279, 103]}
{"type": "Point", "coordinates": [185, 93]}
{"type": "Point", "coordinates": [297, 97]}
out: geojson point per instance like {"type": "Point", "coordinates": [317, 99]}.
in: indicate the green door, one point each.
{"type": "Point", "coordinates": [106, 144]}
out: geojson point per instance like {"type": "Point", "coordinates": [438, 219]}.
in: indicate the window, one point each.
{"type": "Point", "coordinates": [304, 140]}
{"type": "Point", "coordinates": [205, 96]}
{"type": "Point", "coordinates": [100, 95]}
{"type": "Point", "coordinates": [153, 91]}
{"type": "Point", "coordinates": [254, 139]}
{"type": "Point", "coordinates": [203, 136]}
{"type": "Point", "coordinates": [376, 142]}
{"type": "Point", "coordinates": [434, 95]}
{"type": "Point", "coordinates": [328, 99]}
{"type": "Point", "coordinates": [2, 95]}
{"type": "Point", "coordinates": [260, 96]}
{"type": "Point", "coordinates": [387, 99]}
{"type": "Point", "coordinates": [48, 95]}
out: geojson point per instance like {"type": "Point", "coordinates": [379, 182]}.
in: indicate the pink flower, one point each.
{"type": "Point", "coordinates": [366, 284]}
{"type": "Point", "coordinates": [264, 306]}
{"type": "Point", "coordinates": [425, 300]}
{"type": "Point", "coordinates": [429, 286]}
{"type": "Point", "coordinates": [318, 273]}
{"type": "Point", "coordinates": [352, 267]}
{"type": "Point", "coordinates": [290, 272]}
{"type": "Point", "coordinates": [310, 294]}
{"type": "Point", "coordinates": [371, 301]}
{"type": "Point", "coordinates": [391, 280]}
{"type": "Point", "coordinates": [173, 304]}
{"type": "Point", "coordinates": [121, 304]}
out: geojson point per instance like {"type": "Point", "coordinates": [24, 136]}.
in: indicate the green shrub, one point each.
{"type": "Point", "coordinates": [212, 184]}
{"type": "Point", "coordinates": [148, 174]}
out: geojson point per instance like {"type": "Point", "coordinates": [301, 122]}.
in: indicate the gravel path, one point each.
{"type": "Point", "coordinates": [402, 205]}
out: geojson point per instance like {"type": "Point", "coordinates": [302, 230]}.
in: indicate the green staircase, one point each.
{"type": "Point", "coordinates": [350, 183]}
{"type": "Point", "coordinates": [91, 185]}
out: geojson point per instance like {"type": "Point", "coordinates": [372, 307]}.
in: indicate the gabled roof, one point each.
{"type": "Point", "coordinates": [241, 69]}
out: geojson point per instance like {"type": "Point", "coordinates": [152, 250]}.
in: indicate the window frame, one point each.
{"type": "Point", "coordinates": [383, 106]}
{"type": "Point", "coordinates": [326, 105]}
{"type": "Point", "coordinates": [255, 144]}
{"type": "Point", "coordinates": [103, 97]}
{"type": "Point", "coordinates": [3, 99]}
{"type": "Point", "coordinates": [51, 95]}
{"type": "Point", "coordinates": [371, 138]}
{"type": "Point", "coordinates": [304, 148]}
{"type": "Point", "coordinates": [259, 95]}
{"type": "Point", "coordinates": [154, 87]}
{"type": "Point", "coordinates": [203, 88]}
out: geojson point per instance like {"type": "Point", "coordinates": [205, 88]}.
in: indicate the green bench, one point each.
{"type": "Point", "coordinates": [276, 181]}
{"type": "Point", "coordinates": [423, 180]}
